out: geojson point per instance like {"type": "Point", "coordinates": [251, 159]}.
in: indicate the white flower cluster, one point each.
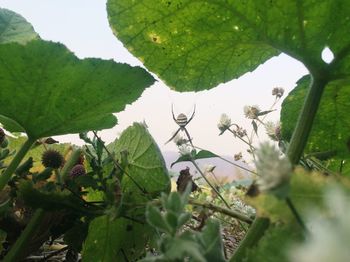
{"type": "Point", "coordinates": [251, 112]}
{"type": "Point", "coordinates": [179, 140]}
{"type": "Point", "coordinates": [185, 150]}
{"type": "Point", "coordinates": [329, 237]}
{"type": "Point", "coordinates": [224, 123]}
{"type": "Point", "coordinates": [273, 170]}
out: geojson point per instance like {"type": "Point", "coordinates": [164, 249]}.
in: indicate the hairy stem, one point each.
{"type": "Point", "coordinates": [225, 211]}
{"type": "Point", "coordinates": [214, 189]}
{"type": "Point", "coordinates": [306, 119]}
{"type": "Point", "coordinates": [294, 152]}
{"type": "Point", "coordinates": [210, 184]}
{"type": "Point", "coordinates": [6, 176]}
{"type": "Point", "coordinates": [296, 214]}
{"type": "Point", "coordinates": [255, 232]}
{"type": "Point", "coordinates": [230, 162]}
{"type": "Point", "coordinates": [16, 252]}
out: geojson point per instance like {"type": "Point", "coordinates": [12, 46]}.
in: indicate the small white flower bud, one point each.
{"type": "Point", "coordinates": [185, 150]}
{"type": "Point", "coordinates": [241, 132]}
{"type": "Point", "coordinates": [251, 112]}
{"type": "Point", "coordinates": [224, 123]}
{"type": "Point", "coordinates": [278, 92]}
{"type": "Point", "coordinates": [179, 140]}
{"type": "Point", "coordinates": [273, 130]}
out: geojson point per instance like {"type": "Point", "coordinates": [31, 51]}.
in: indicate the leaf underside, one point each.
{"type": "Point", "coordinates": [331, 128]}
{"type": "Point", "coordinates": [14, 28]}
{"type": "Point", "coordinates": [195, 45]}
{"type": "Point", "coordinates": [46, 90]}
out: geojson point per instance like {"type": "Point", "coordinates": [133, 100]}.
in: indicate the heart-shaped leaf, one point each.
{"type": "Point", "coordinates": [14, 28]}
{"type": "Point", "coordinates": [46, 90]}
{"type": "Point", "coordinates": [194, 45]}
{"type": "Point", "coordinates": [146, 173]}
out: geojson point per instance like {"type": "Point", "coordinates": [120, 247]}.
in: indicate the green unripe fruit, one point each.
{"type": "Point", "coordinates": [52, 158]}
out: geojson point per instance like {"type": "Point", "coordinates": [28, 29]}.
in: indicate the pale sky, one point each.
{"type": "Point", "coordinates": [83, 27]}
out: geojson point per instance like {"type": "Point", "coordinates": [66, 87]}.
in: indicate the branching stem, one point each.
{"type": "Point", "coordinates": [294, 152]}
{"type": "Point", "coordinates": [225, 211]}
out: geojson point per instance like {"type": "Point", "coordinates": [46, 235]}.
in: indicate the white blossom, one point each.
{"type": "Point", "coordinates": [273, 130]}
{"type": "Point", "coordinates": [185, 150]}
{"type": "Point", "coordinates": [251, 112]}
{"type": "Point", "coordinates": [329, 236]}
{"type": "Point", "coordinates": [273, 169]}
{"type": "Point", "coordinates": [179, 140]}
{"type": "Point", "coordinates": [224, 123]}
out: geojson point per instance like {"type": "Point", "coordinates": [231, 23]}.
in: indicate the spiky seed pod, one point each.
{"type": "Point", "coordinates": [2, 135]}
{"type": "Point", "coordinates": [77, 170]}
{"type": "Point", "coordinates": [52, 158]}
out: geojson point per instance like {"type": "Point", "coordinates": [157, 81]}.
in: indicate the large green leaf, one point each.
{"type": "Point", "coordinates": [146, 173]}
{"type": "Point", "coordinates": [117, 240]}
{"type": "Point", "coordinates": [14, 28]}
{"type": "Point", "coordinates": [46, 90]}
{"type": "Point", "coordinates": [331, 129]}
{"type": "Point", "coordinates": [194, 45]}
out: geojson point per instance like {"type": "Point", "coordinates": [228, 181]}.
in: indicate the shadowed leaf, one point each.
{"type": "Point", "coordinates": [331, 127]}
{"type": "Point", "coordinates": [194, 45]}
{"type": "Point", "coordinates": [46, 90]}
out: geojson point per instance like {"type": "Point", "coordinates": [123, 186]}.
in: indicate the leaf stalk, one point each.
{"type": "Point", "coordinates": [6, 176]}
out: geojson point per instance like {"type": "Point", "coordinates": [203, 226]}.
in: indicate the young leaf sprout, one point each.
{"type": "Point", "coordinates": [182, 122]}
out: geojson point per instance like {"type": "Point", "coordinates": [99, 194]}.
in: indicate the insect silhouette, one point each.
{"type": "Point", "coordinates": [182, 122]}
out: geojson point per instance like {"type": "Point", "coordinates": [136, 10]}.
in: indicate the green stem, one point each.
{"type": "Point", "coordinates": [255, 232]}
{"type": "Point", "coordinates": [294, 152]}
{"type": "Point", "coordinates": [6, 176]}
{"type": "Point", "coordinates": [230, 162]}
{"type": "Point", "coordinates": [306, 119]}
{"type": "Point", "coordinates": [16, 252]}
{"type": "Point", "coordinates": [296, 214]}
{"type": "Point", "coordinates": [240, 138]}
{"type": "Point", "coordinates": [225, 211]}
{"type": "Point", "coordinates": [210, 184]}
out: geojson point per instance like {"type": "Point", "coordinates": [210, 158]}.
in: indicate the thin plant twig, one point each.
{"type": "Point", "coordinates": [296, 214]}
